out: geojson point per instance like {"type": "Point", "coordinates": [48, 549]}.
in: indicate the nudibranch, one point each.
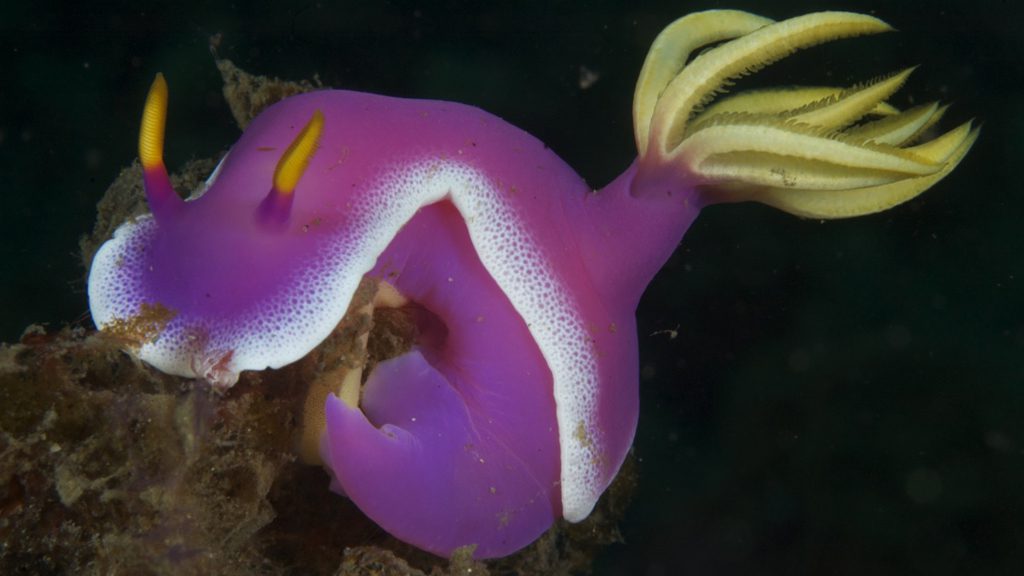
{"type": "Point", "coordinates": [518, 400]}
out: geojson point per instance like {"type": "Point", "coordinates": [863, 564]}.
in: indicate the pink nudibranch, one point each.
{"type": "Point", "coordinates": [520, 400]}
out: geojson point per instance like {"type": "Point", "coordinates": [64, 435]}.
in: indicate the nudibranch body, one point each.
{"type": "Point", "coordinates": [519, 399]}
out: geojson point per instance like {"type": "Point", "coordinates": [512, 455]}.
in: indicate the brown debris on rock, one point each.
{"type": "Point", "coordinates": [108, 466]}
{"type": "Point", "coordinates": [248, 94]}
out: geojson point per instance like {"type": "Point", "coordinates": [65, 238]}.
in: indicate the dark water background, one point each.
{"type": "Point", "coordinates": [842, 397]}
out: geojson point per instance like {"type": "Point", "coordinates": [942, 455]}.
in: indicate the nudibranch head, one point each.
{"type": "Point", "coordinates": [517, 400]}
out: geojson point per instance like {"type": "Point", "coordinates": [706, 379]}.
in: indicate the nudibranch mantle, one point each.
{"type": "Point", "coordinates": [518, 402]}
{"type": "Point", "coordinates": [361, 187]}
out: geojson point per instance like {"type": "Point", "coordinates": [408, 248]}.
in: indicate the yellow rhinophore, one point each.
{"type": "Point", "coordinates": [296, 158]}
{"type": "Point", "coordinates": [154, 123]}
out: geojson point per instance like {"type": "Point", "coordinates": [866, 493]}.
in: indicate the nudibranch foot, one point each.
{"type": "Point", "coordinates": [808, 151]}
{"type": "Point", "coordinates": [453, 442]}
{"type": "Point", "coordinates": [380, 324]}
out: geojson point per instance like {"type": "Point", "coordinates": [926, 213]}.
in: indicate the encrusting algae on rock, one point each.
{"type": "Point", "coordinates": [108, 466]}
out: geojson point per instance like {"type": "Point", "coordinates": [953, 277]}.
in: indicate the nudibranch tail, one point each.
{"type": "Point", "coordinates": [159, 193]}
{"type": "Point", "coordinates": [808, 151]}
{"type": "Point", "coordinates": [276, 206]}
{"type": "Point", "coordinates": [454, 441]}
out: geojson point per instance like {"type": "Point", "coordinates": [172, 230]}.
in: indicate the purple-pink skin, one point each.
{"type": "Point", "coordinates": [519, 400]}
{"type": "Point", "coordinates": [523, 407]}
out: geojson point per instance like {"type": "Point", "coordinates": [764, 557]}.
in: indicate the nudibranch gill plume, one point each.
{"type": "Point", "coordinates": [518, 400]}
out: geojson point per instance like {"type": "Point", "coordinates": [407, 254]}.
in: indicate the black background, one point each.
{"type": "Point", "coordinates": [842, 397]}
